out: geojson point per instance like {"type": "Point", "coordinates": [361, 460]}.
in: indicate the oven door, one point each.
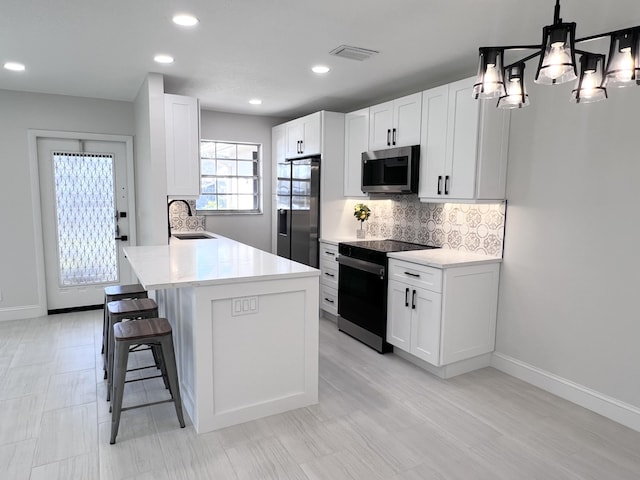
{"type": "Point", "coordinates": [362, 294]}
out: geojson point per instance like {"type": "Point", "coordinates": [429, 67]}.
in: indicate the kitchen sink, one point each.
{"type": "Point", "coordinates": [193, 236]}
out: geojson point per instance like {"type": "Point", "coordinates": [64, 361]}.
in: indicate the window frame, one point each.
{"type": "Point", "coordinates": [258, 179]}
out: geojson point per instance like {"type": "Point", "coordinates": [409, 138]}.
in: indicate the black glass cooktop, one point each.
{"type": "Point", "coordinates": [387, 245]}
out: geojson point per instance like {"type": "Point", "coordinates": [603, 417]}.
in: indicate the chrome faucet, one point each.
{"type": "Point", "coordinates": [169, 217]}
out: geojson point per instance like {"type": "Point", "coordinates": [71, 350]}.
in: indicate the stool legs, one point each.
{"type": "Point", "coordinates": [171, 375]}
{"type": "Point", "coordinates": [120, 373]}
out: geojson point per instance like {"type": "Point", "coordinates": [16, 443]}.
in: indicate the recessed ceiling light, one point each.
{"type": "Point", "coordinates": [14, 66]}
{"type": "Point", "coordinates": [320, 69]}
{"type": "Point", "coordinates": [255, 101]}
{"type": "Point", "coordinates": [163, 58]}
{"type": "Point", "coordinates": [185, 20]}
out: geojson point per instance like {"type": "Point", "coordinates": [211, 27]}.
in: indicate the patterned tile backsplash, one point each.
{"type": "Point", "coordinates": [473, 228]}
{"type": "Point", "coordinates": [181, 221]}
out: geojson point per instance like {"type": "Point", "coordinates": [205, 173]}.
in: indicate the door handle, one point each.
{"type": "Point", "coordinates": [388, 139]}
{"type": "Point", "coordinates": [301, 146]}
{"type": "Point", "coordinates": [328, 300]}
{"type": "Point", "coordinates": [439, 184]}
{"type": "Point", "coordinates": [415, 275]}
{"type": "Point", "coordinates": [406, 297]}
{"type": "Point", "coordinates": [413, 300]}
{"type": "Point", "coordinates": [446, 185]}
{"type": "Point", "coordinates": [394, 136]}
{"type": "Point", "coordinates": [124, 238]}
{"type": "Point", "coordinates": [329, 274]}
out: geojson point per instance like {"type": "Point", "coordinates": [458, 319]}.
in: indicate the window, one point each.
{"type": "Point", "coordinates": [230, 177]}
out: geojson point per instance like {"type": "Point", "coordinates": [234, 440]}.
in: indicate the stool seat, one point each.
{"type": "Point", "coordinates": [141, 329]}
{"type": "Point", "coordinates": [134, 305]}
{"type": "Point", "coordinates": [134, 289]}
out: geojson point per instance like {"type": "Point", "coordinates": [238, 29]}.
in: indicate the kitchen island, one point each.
{"type": "Point", "coordinates": [245, 326]}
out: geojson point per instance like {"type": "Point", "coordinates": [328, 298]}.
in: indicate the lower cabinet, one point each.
{"type": "Point", "coordinates": [329, 278]}
{"type": "Point", "coordinates": [445, 315]}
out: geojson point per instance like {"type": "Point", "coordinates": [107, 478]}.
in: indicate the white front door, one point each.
{"type": "Point", "coordinates": [85, 219]}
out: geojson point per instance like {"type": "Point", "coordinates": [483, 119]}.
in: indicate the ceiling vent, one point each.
{"type": "Point", "coordinates": [353, 53]}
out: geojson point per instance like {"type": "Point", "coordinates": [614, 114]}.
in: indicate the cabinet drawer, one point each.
{"type": "Point", "coordinates": [416, 274]}
{"type": "Point", "coordinates": [328, 252]}
{"type": "Point", "coordinates": [329, 273]}
{"type": "Point", "coordinates": [329, 299]}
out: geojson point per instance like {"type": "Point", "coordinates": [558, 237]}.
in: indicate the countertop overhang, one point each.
{"type": "Point", "coordinates": [212, 261]}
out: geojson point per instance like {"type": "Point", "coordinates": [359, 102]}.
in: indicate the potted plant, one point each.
{"type": "Point", "coordinates": [362, 213]}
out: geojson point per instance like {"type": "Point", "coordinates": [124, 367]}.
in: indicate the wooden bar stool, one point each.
{"type": "Point", "coordinates": [154, 332]}
{"type": "Point", "coordinates": [111, 294]}
{"type": "Point", "coordinates": [118, 311]}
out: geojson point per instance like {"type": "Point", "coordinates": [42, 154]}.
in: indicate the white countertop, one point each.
{"type": "Point", "coordinates": [443, 258]}
{"type": "Point", "coordinates": [216, 261]}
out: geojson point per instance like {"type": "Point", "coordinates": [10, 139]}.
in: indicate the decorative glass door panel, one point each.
{"type": "Point", "coordinates": [85, 219]}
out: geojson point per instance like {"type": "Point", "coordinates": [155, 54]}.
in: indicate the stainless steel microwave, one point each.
{"type": "Point", "coordinates": [394, 170]}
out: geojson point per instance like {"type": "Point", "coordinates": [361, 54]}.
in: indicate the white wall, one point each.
{"type": "Point", "coordinates": [20, 112]}
{"type": "Point", "coordinates": [150, 164]}
{"type": "Point", "coordinates": [571, 273]}
{"type": "Point", "coordinates": [254, 230]}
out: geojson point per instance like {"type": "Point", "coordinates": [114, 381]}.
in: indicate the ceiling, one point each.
{"type": "Point", "coordinates": [245, 49]}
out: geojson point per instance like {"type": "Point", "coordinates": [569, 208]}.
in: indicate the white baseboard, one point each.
{"type": "Point", "coordinates": [447, 371]}
{"type": "Point", "coordinates": [20, 313]}
{"type": "Point", "coordinates": [623, 413]}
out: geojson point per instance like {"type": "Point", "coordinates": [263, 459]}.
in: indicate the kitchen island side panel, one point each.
{"type": "Point", "coordinates": [238, 365]}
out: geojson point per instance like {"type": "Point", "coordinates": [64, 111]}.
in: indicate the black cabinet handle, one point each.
{"type": "Point", "coordinates": [439, 184]}
{"type": "Point", "coordinates": [394, 136]}
{"type": "Point", "coordinates": [329, 274]}
{"type": "Point", "coordinates": [388, 135]}
{"type": "Point", "coordinates": [412, 274]}
{"type": "Point", "coordinates": [446, 185]}
{"type": "Point", "coordinates": [301, 146]}
{"type": "Point", "coordinates": [124, 238]}
{"type": "Point", "coordinates": [413, 300]}
{"type": "Point", "coordinates": [330, 253]}
{"type": "Point", "coordinates": [328, 300]}
{"type": "Point", "coordinates": [406, 297]}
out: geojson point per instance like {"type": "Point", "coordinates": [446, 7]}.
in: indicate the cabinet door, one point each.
{"type": "Point", "coordinates": [182, 138]}
{"type": "Point", "coordinates": [356, 140]}
{"type": "Point", "coordinates": [294, 133]}
{"type": "Point", "coordinates": [433, 142]}
{"type": "Point", "coordinates": [399, 315]}
{"type": "Point", "coordinates": [380, 123]}
{"type": "Point", "coordinates": [406, 120]}
{"type": "Point", "coordinates": [425, 325]}
{"type": "Point", "coordinates": [462, 141]}
{"type": "Point", "coordinates": [311, 134]}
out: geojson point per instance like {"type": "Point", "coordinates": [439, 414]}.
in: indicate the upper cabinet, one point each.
{"type": "Point", "coordinates": [303, 136]}
{"type": "Point", "coordinates": [182, 134]}
{"type": "Point", "coordinates": [356, 141]}
{"type": "Point", "coordinates": [464, 146]}
{"type": "Point", "coordinates": [395, 123]}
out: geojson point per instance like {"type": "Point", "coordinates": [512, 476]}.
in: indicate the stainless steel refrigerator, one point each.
{"type": "Point", "coordinates": [298, 194]}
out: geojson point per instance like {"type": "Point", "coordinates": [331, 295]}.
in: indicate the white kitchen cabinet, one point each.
{"type": "Point", "coordinates": [303, 136]}
{"type": "Point", "coordinates": [329, 277]}
{"type": "Point", "coordinates": [442, 316]}
{"type": "Point", "coordinates": [395, 123]}
{"type": "Point", "coordinates": [464, 145]}
{"type": "Point", "coordinates": [356, 141]}
{"type": "Point", "coordinates": [182, 134]}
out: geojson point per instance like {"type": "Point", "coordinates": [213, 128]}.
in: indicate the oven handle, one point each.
{"type": "Point", "coordinates": [363, 265]}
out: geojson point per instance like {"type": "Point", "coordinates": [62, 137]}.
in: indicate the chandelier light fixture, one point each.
{"type": "Point", "coordinates": [558, 65]}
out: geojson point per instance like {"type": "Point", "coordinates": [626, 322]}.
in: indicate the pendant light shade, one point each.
{"type": "Point", "coordinates": [558, 59]}
{"type": "Point", "coordinates": [516, 93]}
{"type": "Point", "coordinates": [623, 68]}
{"type": "Point", "coordinates": [490, 79]}
{"type": "Point", "coordinates": [589, 88]}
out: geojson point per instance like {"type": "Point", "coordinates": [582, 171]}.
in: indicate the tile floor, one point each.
{"type": "Point", "coordinates": [378, 418]}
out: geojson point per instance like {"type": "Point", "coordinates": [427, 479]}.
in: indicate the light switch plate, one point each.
{"type": "Point", "coordinates": [244, 306]}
